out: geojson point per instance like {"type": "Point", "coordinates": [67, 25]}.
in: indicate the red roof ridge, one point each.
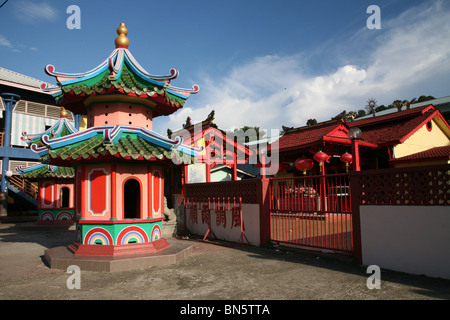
{"type": "Point", "coordinates": [316, 126]}
{"type": "Point", "coordinates": [391, 116]}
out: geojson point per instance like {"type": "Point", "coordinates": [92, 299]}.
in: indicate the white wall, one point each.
{"type": "Point", "coordinates": [411, 239]}
{"type": "Point", "coordinates": [250, 214]}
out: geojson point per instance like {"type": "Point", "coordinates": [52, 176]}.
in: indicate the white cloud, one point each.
{"type": "Point", "coordinates": [407, 55]}
{"type": "Point", "coordinates": [33, 11]}
{"type": "Point", "coordinates": [5, 42]}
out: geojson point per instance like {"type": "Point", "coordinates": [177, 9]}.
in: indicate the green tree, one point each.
{"type": "Point", "coordinates": [360, 113]}
{"type": "Point", "coordinates": [248, 133]}
{"type": "Point", "coordinates": [425, 98]}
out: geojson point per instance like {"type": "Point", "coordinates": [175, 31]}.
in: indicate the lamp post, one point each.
{"type": "Point", "coordinates": [355, 134]}
{"type": "Point", "coordinates": [9, 102]}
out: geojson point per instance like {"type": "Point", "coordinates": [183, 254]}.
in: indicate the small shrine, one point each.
{"type": "Point", "coordinates": [55, 183]}
{"type": "Point", "coordinates": [119, 163]}
{"type": "Point", "coordinates": [55, 193]}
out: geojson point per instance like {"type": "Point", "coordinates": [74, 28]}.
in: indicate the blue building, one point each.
{"type": "Point", "coordinates": [24, 107]}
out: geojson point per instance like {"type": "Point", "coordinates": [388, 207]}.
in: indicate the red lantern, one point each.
{"type": "Point", "coordinates": [321, 157]}
{"type": "Point", "coordinates": [346, 158]}
{"type": "Point", "coordinates": [304, 164]}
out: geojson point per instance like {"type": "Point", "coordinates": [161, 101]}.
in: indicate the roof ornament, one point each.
{"type": "Point", "coordinates": [122, 40]}
{"type": "Point", "coordinates": [398, 104]}
{"type": "Point", "coordinates": [64, 113]}
{"type": "Point", "coordinates": [372, 103]}
{"type": "Point", "coordinates": [407, 104]}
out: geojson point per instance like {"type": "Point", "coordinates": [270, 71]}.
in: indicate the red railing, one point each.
{"type": "Point", "coordinates": [1, 138]}
{"type": "Point", "coordinates": [312, 211]}
{"type": "Point", "coordinates": [321, 194]}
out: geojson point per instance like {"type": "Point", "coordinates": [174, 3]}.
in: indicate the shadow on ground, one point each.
{"type": "Point", "coordinates": [216, 270]}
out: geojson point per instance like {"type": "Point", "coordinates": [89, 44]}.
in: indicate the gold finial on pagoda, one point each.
{"type": "Point", "coordinates": [63, 113]}
{"type": "Point", "coordinates": [122, 40]}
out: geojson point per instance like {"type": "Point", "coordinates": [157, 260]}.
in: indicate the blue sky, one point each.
{"type": "Point", "coordinates": [259, 63]}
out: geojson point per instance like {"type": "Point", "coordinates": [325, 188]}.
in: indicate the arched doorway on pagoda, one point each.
{"type": "Point", "coordinates": [132, 199]}
{"type": "Point", "coordinates": [65, 197]}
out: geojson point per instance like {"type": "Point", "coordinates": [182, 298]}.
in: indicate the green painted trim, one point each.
{"type": "Point", "coordinates": [114, 230]}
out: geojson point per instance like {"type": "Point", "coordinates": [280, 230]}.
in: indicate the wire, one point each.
{"type": "Point", "coordinates": [3, 3]}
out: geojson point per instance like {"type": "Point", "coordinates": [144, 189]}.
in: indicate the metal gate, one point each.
{"type": "Point", "coordinates": [312, 211]}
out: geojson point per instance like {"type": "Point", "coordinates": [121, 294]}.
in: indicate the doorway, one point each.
{"type": "Point", "coordinates": [65, 197]}
{"type": "Point", "coordinates": [132, 199]}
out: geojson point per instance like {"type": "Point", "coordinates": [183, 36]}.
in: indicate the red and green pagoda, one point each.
{"type": "Point", "coordinates": [118, 161]}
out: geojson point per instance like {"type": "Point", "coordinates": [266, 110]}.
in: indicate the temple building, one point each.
{"type": "Point", "coordinates": [224, 157]}
{"type": "Point", "coordinates": [416, 136]}
{"type": "Point", "coordinates": [119, 162]}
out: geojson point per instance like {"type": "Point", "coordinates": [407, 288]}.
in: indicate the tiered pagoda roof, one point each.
{"type": "Point", "coordinates": [61, 128]}
{"type": "Point", "coordinates": [64, 145]}
{"type": "Point", "coordinates": [112, 143]}
{"type": "Point", "coordinates": [119, 73]}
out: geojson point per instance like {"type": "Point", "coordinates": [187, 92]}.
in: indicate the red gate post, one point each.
{"type": "Point", "coordinates": [355, 196]}
{"type": "Point", "coordinates": [264, 211]}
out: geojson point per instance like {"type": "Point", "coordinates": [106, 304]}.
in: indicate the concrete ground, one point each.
{"type": "Point", "coordinates": [215, 271]}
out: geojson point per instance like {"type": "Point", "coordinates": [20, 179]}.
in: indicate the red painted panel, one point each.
{"type": "Point", "coordinates": [156, 191]}
{"type": "Point", "coordinates": [97, 195]}
{"type": "Point", "coordinates": [78, 191]}
{"type": "Point", "coordinates": [48, 194]}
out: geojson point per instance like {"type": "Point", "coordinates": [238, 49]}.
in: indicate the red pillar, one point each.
{"type": "Point", "coordinates": [234, 165]}
{"type": "Point", "coordinates": [264, 211]}
{"type": "Point", "coordinates": [186, 176]}
{"type": "Point", "coordinates": [355, 152]}
{"type": "Point", "coordinates": [208, 164]}
{"type": "Point", "coordinates": [113, 193]}
{"type": "Point", "coordinates": [83, 194]}
{"type": "Point", "coordinates": [355, 196]}
{"type": "Point", "coordinates": [323, 193]}
{"type": "Point", "coordinates": [263, 166]}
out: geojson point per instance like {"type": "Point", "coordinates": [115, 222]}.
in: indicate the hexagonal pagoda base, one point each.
{"type": "Point", "coordinates": [61, 258]}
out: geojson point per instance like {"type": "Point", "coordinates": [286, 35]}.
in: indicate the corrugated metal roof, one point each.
{"type": "Point", "coordinates": [15, 77]}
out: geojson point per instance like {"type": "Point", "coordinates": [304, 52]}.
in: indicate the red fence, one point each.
{"type": "Point", "coordinates": [249, 190]}
{"type": "Point", "coordinates": [412, 186]}
{"type": "Point", "coordinates": [323, 211]}
{"type": "Point", "coordinates": [312, 211]}
{"type": "Point", "coordinates": [420, 186]}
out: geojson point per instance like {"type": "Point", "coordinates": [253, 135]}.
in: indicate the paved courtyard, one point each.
{"type": "Point", "coordinates": [215, 271]}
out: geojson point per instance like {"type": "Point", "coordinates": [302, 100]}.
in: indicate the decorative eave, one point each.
{"type": "Point", "coordinates": [113, 142]}
{"type": "Point", "coordinates": [45, 171]}
{"type": "Point", "coordinates": [119, 72]}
